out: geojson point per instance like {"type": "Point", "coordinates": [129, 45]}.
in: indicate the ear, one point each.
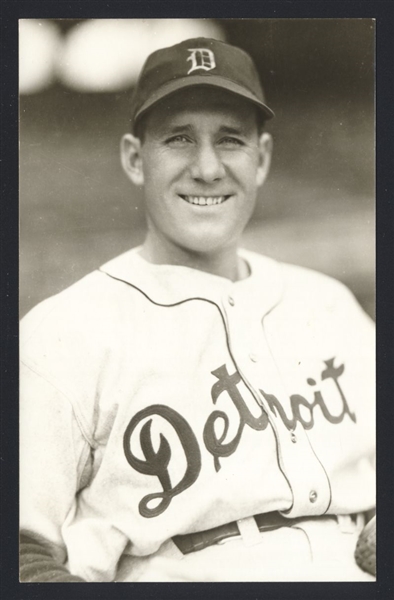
{"type": "Point", "coordinates": [130, 154]}
{"type": "Point", "coordinates": [265, 153]}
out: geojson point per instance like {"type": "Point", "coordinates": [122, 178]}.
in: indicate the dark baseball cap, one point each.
{"type": "Point", "coordinates": [197, 62]}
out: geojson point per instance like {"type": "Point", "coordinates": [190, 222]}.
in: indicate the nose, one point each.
{"type": "Point", "coordinates": [207, 165]}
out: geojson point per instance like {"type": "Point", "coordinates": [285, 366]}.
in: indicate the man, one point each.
{"type": "Point", "coordinates": [192, 411]}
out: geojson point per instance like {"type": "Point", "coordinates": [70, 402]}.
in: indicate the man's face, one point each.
{"type": "Point", "coordinates": [201, 163]}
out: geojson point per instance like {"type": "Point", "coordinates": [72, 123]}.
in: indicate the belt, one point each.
{"type": "Point", "coordinates": [192, 542]}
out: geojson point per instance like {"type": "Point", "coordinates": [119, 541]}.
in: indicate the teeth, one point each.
{"type": "Point", "coordinates": [205, 200]}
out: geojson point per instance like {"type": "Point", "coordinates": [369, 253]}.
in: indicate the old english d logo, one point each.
{"type": "Point", "coordinates": [201, 58]}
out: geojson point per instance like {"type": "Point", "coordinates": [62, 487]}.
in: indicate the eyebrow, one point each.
{"type": "Point", "coordinates": [180, 128]}
{"type": "Point", "coordinates": [223, 129]}
{"type": "Point", "coordinates": [231, 130]}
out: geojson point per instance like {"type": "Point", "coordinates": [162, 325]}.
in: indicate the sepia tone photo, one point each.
{"type": "Point", "coordinates": [197, 300]}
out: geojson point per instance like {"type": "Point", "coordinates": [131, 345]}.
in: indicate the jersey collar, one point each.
{"type": "Point", "coordinates": [169, 284]}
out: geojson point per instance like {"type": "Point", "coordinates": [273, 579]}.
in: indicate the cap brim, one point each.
{"type": "Point", "coordinates": [203, 80]}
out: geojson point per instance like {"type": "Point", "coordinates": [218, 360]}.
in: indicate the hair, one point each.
{"type": "Point", "coordinates": [139, 128]}
{"type": "Point", "coordinates": [260, 123]}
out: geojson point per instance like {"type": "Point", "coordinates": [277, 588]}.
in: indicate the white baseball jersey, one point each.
{"type": "Point", "coordinates": [159, 400]}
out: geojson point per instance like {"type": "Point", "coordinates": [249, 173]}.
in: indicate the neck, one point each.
{"type": "Point", "coordinates": [224, 263]}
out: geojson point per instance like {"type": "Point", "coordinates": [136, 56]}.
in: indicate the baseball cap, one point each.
{"type": "Point", "coordinates": [197, 62]}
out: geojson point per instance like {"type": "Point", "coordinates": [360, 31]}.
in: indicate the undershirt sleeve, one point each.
{"type": "Point", "coordinates": [37, 564]}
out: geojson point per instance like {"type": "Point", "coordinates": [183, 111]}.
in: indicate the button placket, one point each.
{"type": "Point", "coordinates": [253, 359]}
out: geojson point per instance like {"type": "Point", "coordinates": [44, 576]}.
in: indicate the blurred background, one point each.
{"type": "Point", "coordinates": [78, 209]}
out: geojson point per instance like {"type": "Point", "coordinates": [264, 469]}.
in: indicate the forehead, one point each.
{"type": "Point", "coordinates": [219, 106]}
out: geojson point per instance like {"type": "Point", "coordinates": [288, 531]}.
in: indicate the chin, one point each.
{"type": "Point", "coordinates": [208, 245]}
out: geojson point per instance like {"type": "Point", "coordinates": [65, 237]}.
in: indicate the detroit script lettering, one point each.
{"type": "Point", "coordinates": [156, 461]}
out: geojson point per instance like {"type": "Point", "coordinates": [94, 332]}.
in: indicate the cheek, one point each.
{"type": "Point", "coordinates": [245, 167]}
{"type": "Point", "coordinates": [249, 178]}
{"type": "Point", "coordinates": [156, 182]}
{"type": "Point", "coordinates": [160, 174]}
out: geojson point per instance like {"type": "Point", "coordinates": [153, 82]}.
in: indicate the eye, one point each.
{"type": "Point", "coordinates": [230, 142]}
{"type": "Point", "coordinates": [177, 140]}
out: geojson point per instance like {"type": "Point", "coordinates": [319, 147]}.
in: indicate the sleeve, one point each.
{"type": "Point", "coordinates": [37, 563]}
{"type": "Point", "coordinates": [54, 461]}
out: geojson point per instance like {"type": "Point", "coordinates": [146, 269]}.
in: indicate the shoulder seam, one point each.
{"type": "Point", "coordinates": [79, 418]}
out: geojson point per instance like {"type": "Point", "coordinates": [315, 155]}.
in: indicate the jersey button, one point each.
{"type": "Point", "coordinates": [313, 496]}
{"type": "Point", "coordinates": [253, 357]}
{"type": "Point", "coordinates": [231, 301]}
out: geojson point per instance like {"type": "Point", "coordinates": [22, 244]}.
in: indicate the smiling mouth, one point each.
{"type": "Point", "coordinates": [204, 200]}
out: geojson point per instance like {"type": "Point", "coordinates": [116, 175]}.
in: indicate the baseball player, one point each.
{"type": "Point", "coordinates": [192, 411]}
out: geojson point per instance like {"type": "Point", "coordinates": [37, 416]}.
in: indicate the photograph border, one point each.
{"type": "Point", "coordinates": [383, 12]}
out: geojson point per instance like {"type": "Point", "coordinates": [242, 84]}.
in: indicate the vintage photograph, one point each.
{"type": "Point", "coordinates": [197, 300]}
